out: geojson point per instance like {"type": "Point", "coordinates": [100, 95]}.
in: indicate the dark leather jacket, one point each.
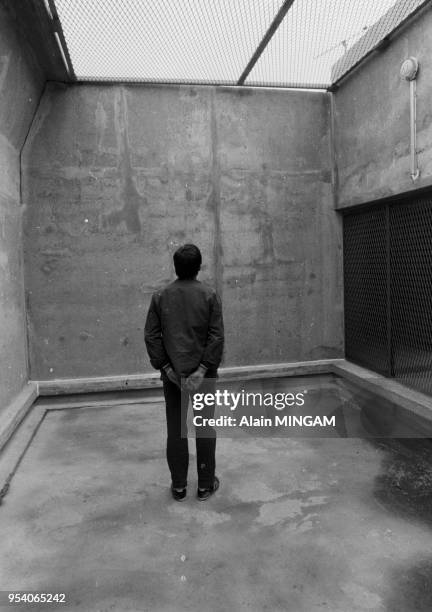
{"type": "Point", "coordinates": [184, 327]}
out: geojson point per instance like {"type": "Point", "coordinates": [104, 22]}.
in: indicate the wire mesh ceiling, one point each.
{"type": "Point", "coordinates": [291, 43]}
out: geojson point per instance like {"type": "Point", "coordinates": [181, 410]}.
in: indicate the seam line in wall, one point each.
{"type": "Point", "coordinates": [36, 112]}
{"type": "Point", "coordinates": [26, 317]}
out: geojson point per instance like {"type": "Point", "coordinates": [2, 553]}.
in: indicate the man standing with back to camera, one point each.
{"type": "Point", "coordinates": [184, 337]}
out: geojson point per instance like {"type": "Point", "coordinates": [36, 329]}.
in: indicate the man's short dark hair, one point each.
{"type": "Point", "coordinates": [187, 261]}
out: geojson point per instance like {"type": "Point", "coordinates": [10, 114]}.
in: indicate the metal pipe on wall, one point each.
{"type": "Point", "coordinates": [415, 172]}
{"type": "Point", "coordinates": [408, 71]}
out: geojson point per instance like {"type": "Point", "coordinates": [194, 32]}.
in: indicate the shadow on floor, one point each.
{"type": "Point", "coordinates": [405, 485]}
{"type": "Point", "coordinates": [410, 588]}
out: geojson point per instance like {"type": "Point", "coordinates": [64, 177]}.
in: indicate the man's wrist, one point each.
{"type": "Point", "coordinates": [166, 367]}
{"type": "Point", "coordinates": [203, 367]}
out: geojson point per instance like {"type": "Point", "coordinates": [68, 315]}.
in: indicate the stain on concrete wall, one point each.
{"type": "Point", "coordinates": [116, 177]}
{"type": "Point", "coordinates": [21, 84]}
{"type": "Point", "coordinates": [372, 120]}
{"type": "Point", "coordinates": [279, 234]}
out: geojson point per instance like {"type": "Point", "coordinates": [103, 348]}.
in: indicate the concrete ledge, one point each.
{"type": "Point", "coordinates": [97, 402]}
{"type": "Point", "coordinates": [16, 447]}
{"type": "Point", "coordinates": [72, 386]}
{"type": "Point", "coordinates": [66, 386]}
{"type": "Point", "coordinates": [416, 403]}
{"type": "Point", "coordinates": [387, 388]}
{"type": "Point", "coordinates": [12, 416]}
{"type": "Point", "coordinates": [277, 370]}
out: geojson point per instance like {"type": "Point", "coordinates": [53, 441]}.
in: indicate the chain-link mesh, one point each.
{"type": "Point", "coordinates": [411, 292]}
{"type": "Point", "coordinates": [312, 37]}
{"type": "Point", "coordinates": [365, 288]}
{"type": "Point", "coordinates": [212, 41]}
{"type": "Point", "coordinates": [390, 20]}
{"type": "Point", "coordinates": [388, 290]}
{"type": "Point", "coordinates": [164, 40]}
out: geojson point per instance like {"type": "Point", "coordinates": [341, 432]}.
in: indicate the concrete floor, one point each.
{"type": "Point", "coordinates": [298, 525]}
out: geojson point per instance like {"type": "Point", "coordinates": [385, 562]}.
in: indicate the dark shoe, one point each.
{"type": "Point", "coordinates": [178, 495]}
{"type": "Point", "coordinates": [205, 493]}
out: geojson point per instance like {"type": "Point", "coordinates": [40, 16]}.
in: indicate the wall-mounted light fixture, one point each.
{"type": "Point", "coordinates": [408, 71]}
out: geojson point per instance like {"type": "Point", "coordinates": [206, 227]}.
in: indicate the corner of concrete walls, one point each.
{"type": "Point", "coordinates": [21, 86]}
{"type": "Point", "coordinates": [335, 228]}
{"type": "Point", "coordinates": [218, 252]}
{"type": "Point", "coordinates": [23, 206]}
{"type": "Point", "coordinates": [333, 149]}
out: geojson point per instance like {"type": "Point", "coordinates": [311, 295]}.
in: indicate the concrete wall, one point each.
{"type": "Point", "coordinates": [21, 83]}
{"type": "Point", "coordinates": [372, 120]}
{"type": "Point", "coordinates": [116, 177]}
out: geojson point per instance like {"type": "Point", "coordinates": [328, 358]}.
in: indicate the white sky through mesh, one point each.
{"type": "Point", "coordinates": [164, 39]}
{"type": "Point", "coordinates": [212, 41]}
{"type": "Point", "coordinates": [312, 37]}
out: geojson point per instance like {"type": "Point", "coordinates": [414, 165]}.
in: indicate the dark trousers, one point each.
{"type": "Point", "coordinates": [177, 449]}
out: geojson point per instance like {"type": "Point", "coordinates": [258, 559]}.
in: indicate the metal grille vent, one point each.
{"type": "Point", "coordinates": [388, 290]}
{"type": "Point", "coordinates": [411, 292]}
{"type": "Point", "coordinates": [366, 340]}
